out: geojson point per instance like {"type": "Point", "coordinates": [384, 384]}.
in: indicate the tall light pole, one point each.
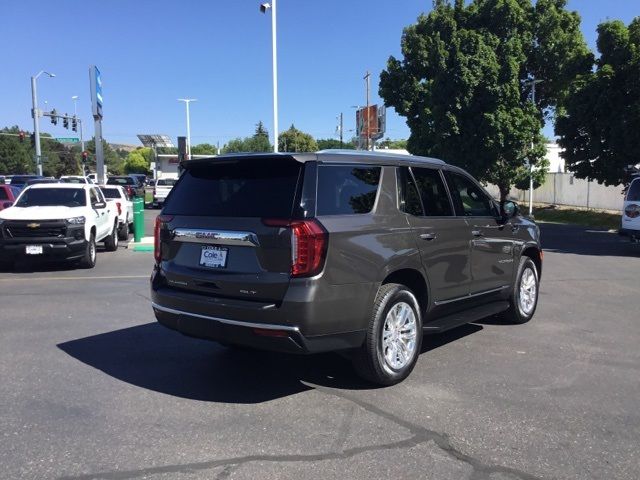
{"type": "Point", "coordinates": [36, 115]}
{"type": "Point", "coordinates": [263, 8]}
{"type": "Point", "coordinates": [533, 82]}
{"type": "Point", "coordinates": [187, 101]}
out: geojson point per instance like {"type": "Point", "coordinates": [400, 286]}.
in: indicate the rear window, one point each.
{"type": "Point", "coordinates": [166, 182]}
{"type": "Point", "coordinates": [346, 190]}
{"type": "Point", "coordinates": [255, 187]}
{"type": "Point", "coordinates": [633, 195]}
{"type": "Point", "coordinates": [73, 180]}
{"type": "Point", "coordinates": [121, 181]}
{"type": "Point", "coordinates": [110, 192]}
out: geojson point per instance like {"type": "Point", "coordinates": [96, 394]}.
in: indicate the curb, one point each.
{"type": "Point", "coordinates": [144, 245]}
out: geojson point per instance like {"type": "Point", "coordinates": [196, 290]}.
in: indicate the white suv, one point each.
{"type": "Point", "coordinates": [631, 212]}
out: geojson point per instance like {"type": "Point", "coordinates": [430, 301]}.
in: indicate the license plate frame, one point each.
{"type": "Point", "coordinates": [33, 250]}
{"type": "Point", "coordinates": [216, 259]}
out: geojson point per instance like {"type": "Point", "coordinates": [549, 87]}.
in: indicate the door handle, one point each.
{"type": "Point", "coordinates": [428, 236]}
{"type": "Point", "coordinates": [477, 233]}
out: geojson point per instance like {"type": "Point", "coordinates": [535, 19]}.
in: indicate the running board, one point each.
{"type": "Point", "coordinates": [466, 316]}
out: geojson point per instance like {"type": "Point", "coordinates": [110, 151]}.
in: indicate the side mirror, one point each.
{"type": "Point", "coordinates": [510, 209]}
{"type": "Point", "coordinates": [99, 205]}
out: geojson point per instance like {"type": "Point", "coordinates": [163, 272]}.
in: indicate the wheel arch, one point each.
{"type": "Point", "coordinates": [415, 281]}
{"type": "Point", "coordinates": [536, 255]}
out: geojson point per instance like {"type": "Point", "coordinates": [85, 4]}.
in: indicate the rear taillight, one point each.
{"type": "Point", "coordinates": [160, 221]}
{"type": "Point", "coordinates": [119, 205]}
{"type": "Point", "coordinates": [632, 211]}
{"type": "Point", "coordinates": [309, 242]}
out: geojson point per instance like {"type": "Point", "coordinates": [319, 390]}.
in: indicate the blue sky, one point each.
{"type": "Point", "coordinates": [219, 51]}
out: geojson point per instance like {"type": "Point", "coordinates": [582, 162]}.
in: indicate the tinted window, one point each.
{"type": "Point", "coordinates": [3, 194]}
{"type": "Point", "coordinates": [468, 198]}
{"type": "Point", "coordinates": [433, 192]}
{"type": "Point", "coordinates": [633, 195]}
{"type": "Point", "coordinates": [166, 182]}
{"type": "Point", "coordinates": [73, 180]}
{"type": "Point", "coordinates": [68, 197]}
{"type": "Point", "coordinates": [344, 190]}
{"type": "Point", "coordinates": [121, 181]}
{"type": "Point", "coordinates": [110, 192]}
{"type": "Point", "coordinates": [254, 187]}
{"type": "Point", "coordinates": [409, 199]}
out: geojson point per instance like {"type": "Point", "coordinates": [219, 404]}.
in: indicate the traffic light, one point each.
{"type": "Point", "coordinates": [54, 117]}
{"type": "Point", "coordinates": [21, 137]}
{"type": "Point", "coordinates": [74, 124]}
{"type": "Point", "coordinates": [65, 121]}
{"type": "Point", "coordinates": [33, 140]}
{"type": "Point", "coordinates": [85, 156]}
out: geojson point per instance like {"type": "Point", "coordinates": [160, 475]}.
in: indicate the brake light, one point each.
{"type": "Point", "coordinates": [160, 221]}
{"type": "Point", "coordinates": [632, 211]}
{"type": "Point", "coordinates": [309, 242]}
{"type": "Point", "coordinates": [119, 208]}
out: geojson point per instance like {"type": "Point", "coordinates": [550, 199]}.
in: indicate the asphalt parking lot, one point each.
{"type": "Point", "coordinates": [92, 387]}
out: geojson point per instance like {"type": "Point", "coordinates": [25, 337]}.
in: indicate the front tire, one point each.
{"type": "Point", "coordinates": [90, 255]}
{"type": "Point", "coordinates": [523, 300]}
{"type": "Point", "coordinates": [394, 337]}
{"type": "Point", "coordinates": [111, 242]}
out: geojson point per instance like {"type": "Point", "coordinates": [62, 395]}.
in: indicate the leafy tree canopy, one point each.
{"type": "Point", "coordinates": [294, 140]}
{"type": "Point", "coordinates": [259, 142]}
{"type": "Point", "coordinates": [599, 129]}
{"type": "Point", "coordinates": [136, 163]}
{"type": "Point", "coordinates": [462, 82]}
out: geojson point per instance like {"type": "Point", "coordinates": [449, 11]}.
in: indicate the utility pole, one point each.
{"type": "Point", "coordinates": [341, 130]}
{"type": "Point", "coordinates": [533, 82]}
{"type": "Point", "coordinates": [366, 78]}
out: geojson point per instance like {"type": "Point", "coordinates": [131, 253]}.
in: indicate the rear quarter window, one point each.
{"type": "Point", "coordinates": [633, 195]}
{"type": "Point", "coordinates": [346, 190]}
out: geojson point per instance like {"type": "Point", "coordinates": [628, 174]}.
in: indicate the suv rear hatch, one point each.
{"type": "Point", "coordinates": [224, 229]}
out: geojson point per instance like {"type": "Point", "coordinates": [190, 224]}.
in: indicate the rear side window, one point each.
{"type": "Point", "coordinates": [409, 198]}
{"type": "Point", "coordinates": [633, 195]}
{"type": "Point", "coordinates": [255, 187]}
{"type": "Point", "coordinates": [433, 192]}
{"type": "Point", "coordinates": [346, 190]}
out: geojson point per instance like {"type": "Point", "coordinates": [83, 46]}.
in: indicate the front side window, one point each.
{"type": "Point", "coordinates": [346, 190]}
{"type": "Point", "coordinates": [469, 199]}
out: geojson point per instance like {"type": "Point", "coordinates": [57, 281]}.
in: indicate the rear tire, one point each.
{"type": "Point", "coordinates": [111, 242]}
{"type": "Point", "coordinates": [393, 339]}
{"type": "Point", "coordinates": [89, 259]}
{"type": "Point", "coordinates": [123, 233]}
{"type": "Point", "coordinates": [523, 300]}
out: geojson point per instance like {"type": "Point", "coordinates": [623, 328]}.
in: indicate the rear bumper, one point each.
{"type": "Point", "coordinates": [67, 249]}
{"type": "Point", "coordinates": [312, 317]}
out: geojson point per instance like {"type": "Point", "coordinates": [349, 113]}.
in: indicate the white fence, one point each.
{"type": "Point", "coordinates": [564, 189]}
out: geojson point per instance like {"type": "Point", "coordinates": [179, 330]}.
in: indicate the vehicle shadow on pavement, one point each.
{"type": "Point", "coordinates": [153, 357]}
{"type": "Point", "coordinates": [585, 241]}
{"type": "Point", "coordinates": [38, 266]}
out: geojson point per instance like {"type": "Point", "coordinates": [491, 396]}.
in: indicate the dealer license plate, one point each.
{"type": "Point", "coordinates": [213, 257]}
{"type": "Point", "coordinates": [33, 249]}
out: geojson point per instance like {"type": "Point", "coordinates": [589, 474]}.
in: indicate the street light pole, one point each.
{"type": "Point", "coordinates": [274, 53]}
{"type": "Point", "coordinates": [36, 116]}
{"type": "Point", "coordinates": [533, 82]}
{"type": "Point", "coordinates": [187, 101]}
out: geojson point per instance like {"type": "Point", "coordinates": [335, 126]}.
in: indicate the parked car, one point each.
{"type": "Point", "coordinates": [75, 179]}
{"type": "Point", "coordinates": [8, 195]}
{"type": "Point", "coordinates": [20, 181]}
{"type": "Point", "coordinates": [58, 222]}
{"type": "Point", "coordinates": [337, 250]}
{"type": "Point", "coordinates": [161, 189]}
{"type": "Point", "coordinates": [631, 212]}
{"type": "Point", "coordinates": [140, 177]}
{"type": "Point", "coordinates": [130, 184]}
{"type": "Point", "coordinates": [117, 195]}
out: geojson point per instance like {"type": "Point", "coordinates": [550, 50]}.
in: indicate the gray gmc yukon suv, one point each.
{"type": "Point", "coordinates": [338, 250]}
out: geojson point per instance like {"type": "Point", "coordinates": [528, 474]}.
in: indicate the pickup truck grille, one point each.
{"type": "Point", "coordinates": [34, 229]}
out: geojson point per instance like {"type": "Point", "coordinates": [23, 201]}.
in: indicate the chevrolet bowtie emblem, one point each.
{"type": "Point", "coordinates": [33, 225]}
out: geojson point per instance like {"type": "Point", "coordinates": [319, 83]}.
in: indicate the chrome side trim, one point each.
{"type": "Point", "coordinates": [471, 295]}
{"type": "Point", "coordinates": [216, 237]}
{"type": "Point", "coordinates": [237, 323]}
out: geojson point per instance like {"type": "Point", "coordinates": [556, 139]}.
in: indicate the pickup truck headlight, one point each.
{"type": "Point", "coordinates": [76, 220]}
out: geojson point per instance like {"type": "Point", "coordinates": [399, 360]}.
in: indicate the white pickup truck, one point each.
{"type": "Point", "coordinates": [117, 195]}
{"type": "Point", "coordinates": [58, 222]}
{"type": "Point", "coordinates": [161, 189]}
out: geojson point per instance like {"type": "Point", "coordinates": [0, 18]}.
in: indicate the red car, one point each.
{"type": "Point", "coordinates": [8, 195]}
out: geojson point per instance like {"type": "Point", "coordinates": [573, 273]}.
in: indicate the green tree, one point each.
{"type": "Point", "coordinates": [393, 144]}
{"type": "Point", "coordinates": [136, 163]}
{"type": "Point", "coordinates": [15, 157]}
{"type": "Point", "coordinates": [599, 128]}
{"type": "Point", "coordinates": [332, 143]}
{"type": "Point", "coordinates": [113, 161]}
{"type": "Point", "coordinates": [294, 140]}
{"type": "Point", "coordinates": [259, 142]}
{"type": "Point", "coordinates": [462, 82]}
{"type": "Point", "coordinates": [204, 149]}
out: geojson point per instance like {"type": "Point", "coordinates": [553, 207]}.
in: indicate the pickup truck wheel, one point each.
{"type": "Point", "coordinates": [394, 337]}
{"type": "Point", "coordinates": [89, 259]}
{"type": "Point", "coordinates": [524, 295]}
{"type": "Point", "coordinates": [123, 233]}
{"type": "Point", "coordinates": [111, 242]}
